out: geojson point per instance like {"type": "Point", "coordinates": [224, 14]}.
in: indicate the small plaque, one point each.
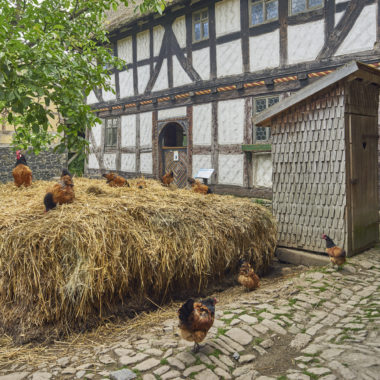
{"type": "Point", "coordinates": [204, 173]}
{"type": "Point", "coordinates": [175, 155]}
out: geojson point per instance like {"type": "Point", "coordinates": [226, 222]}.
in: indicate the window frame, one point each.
{"type": "Point", "coordinates": [268, 139]}
{"type": "Point", "coordinates": [113, 127]}
{"type": "Point", "coordinates": [264, 2]}
{"type": "Point", "coordinates": [201, 22]}
{"type": "Point", "coordinates": [308, 9]}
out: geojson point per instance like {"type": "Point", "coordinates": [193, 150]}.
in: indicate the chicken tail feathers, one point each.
{"type": "Point", "coordinates": [185, 310]}
{"type": "Point", "coordinates": [210, 304]}
{"type": "Point", "coordinates": [49, 202]}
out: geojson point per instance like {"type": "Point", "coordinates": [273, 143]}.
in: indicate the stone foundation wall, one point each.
{"type": "Point", "coordinates": [44, 166]}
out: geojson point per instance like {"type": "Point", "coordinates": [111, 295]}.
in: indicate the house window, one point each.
{"type": "Point", "coordinates": [200, 25]}
{"type": "Point", "coordinates": [298, 6]}
{"type": "Point", "coordinates": [111, 127]}
{"type": "Point", "coordinates": [262, 134]}
{"type": "Point", "coordinates": [263, 11]}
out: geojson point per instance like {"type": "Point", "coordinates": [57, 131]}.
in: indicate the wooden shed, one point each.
{"type": "Point", "coordinates": [325, 161]}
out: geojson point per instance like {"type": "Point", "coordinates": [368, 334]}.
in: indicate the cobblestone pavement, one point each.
{"type": "Point", "coordinates": [318, 324]}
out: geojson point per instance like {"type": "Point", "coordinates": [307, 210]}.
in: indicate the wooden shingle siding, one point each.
{"type": "Point", "coordinates": [309, 179]}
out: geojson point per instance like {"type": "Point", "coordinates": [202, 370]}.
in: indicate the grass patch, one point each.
{"type": "Point", "coordinates": [283, 377]}
{"type": "Point", "coordinates": [216, 353]}
{"type": "Point", "coordinates": [257, 341]}
{"type": "Point", "coordinates": [311, 375]}
{"type": "Point", "coordinates": [164, 362]}
{"type": "Point", "coordinates": [210, 366]}
{"type": "Point", "coordinates": [221, 331]}
{"type": "Point", "coordinates": [292, 301]}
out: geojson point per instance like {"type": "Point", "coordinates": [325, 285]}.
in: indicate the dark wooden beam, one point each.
{"type": "Point", "coordinates": [169, 54]}
{"type": "Point", "coordinates": [244, 20]}
{"type": "Point", "coordinates": [214, 140]}
{"type": "Point", "coordinates": [134, 60]}
{"type": "Point", "coordinates": [161, 57]}
{"type": "Point", "coordinates": [283, 20]}
{"type": "Point", "coordinates": [212, 38]}
{"type": "Point", "coordinates": [186, 65]}
{"type": "Point", "coordinates": [116, 72]}
{"type": "Point", "coordinates": [189, 38]}
{"type": "Point", "coordinates": [151, 51]}
{"type": "Point", "coordinates": [340, 32]}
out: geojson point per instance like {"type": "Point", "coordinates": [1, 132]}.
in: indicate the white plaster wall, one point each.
{"type": "Point", "coordinates": [179, 29]}
{"type": "Point", "coordinates": [146, 163]}
{"type": "Point", "coordinates": [109, 161]}
{"type": "Point", "coordinates": [180, 76]}
{"type": "Point", "coordinates": [124, 49]}
{"type": "Point", "coordinates": [264, 51]}
{"type": "Point", "coordinates": [128, 130]}
{"type": "Point", "coordinates": [96, 131]}
{"type": "Point", "coordinates": [201, 161]}
{"type": "Point", "coordinates": [362, 36]}
{"type": "Point", "coordinates": [305, 41]}
{"type": "Point", "coordinates": [143, 75]}
{"type": "Point", "coordinates": [172, 113]}
{"type": "Point", "coordinates": [231, 169]}
{"type": "Point", "coordinates": [227, 17]}
{"type": "Point", "coordinates": [92, 162]}
{"type": "Point", "coordinates": [126, 83]}
{"type": "Point", "coordinates": [142, 40]}
{"type": "Point", "coordinates": [229, 59]}
{"type": "Point", "coordinates": [201, 62]}
{"type": "Point", "coordinates": [262, 170]}
{"type": "Point", "coordinates": [109, 95]}
{"type": "Point", "coordinates": [128, 162]}
{"type": "Point", "coordinates": [146, 129]}
{"type": "Point", "coordinates": [231, 121]}
{"type": "Point", "coordinates": [91, 98]}
{"type": "Point", "coordinates": [338, 16]}
{"type": "Point", "coordinates": [162, 80]}
{"type": "Point", "coordinates": [202, 124]}
{"type": "Point", "coordinates": [158, 34]}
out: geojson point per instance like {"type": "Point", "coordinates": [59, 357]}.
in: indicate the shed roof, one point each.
{"type": "Point", "coordinates": [349, 71]}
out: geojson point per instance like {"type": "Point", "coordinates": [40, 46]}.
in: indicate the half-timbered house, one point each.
{"type": "Point", "coordinates": [196, 75]}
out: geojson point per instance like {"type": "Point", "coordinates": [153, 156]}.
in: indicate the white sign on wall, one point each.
{"type": "Point", "coordinates": [204, 173]}
{"type": "Point", "coordinates": [175, 155]}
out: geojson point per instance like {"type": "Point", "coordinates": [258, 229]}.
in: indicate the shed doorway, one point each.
{"type": "Point", "coordinates": [173, 152]}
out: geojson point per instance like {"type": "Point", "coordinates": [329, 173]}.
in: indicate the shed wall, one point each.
{"type": "Point", "coordinates": [309, 173]}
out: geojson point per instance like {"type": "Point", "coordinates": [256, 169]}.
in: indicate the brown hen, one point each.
{"type": "Point", "coordinates": [337, 255]}
{"type": "Point", "coordinates": [115, 180]}
{"type": "Point", "coordinates": [195, 319]}
{"type": "Point", "coordinates": [22, 174]}
{"type": "Point", "coordinates": [247, 276]}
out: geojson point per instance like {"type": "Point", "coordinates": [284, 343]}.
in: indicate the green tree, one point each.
{"type": "Point", "coordinates": [53, 52]}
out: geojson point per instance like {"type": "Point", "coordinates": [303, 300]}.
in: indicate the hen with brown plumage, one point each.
{"type": "Point", "coordinates": [195, 319]}
{"type": "Point", "coordinates": [22, 174]}
{"type": "Point", "coordinates": [115, 180]}
{"type": "Point", "coordinates": [337, 255]}
{"type": "Point", "coordinates": [247, 276]}
{"type": "Point", "coordinates": [167, 179]}
{"type": "Point", "coordinates": [60, 193]}
{"type": "Point", "coordinates": [198, 187]}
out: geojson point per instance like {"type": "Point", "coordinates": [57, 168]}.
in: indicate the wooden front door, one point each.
{"type": "Point", "coordinates": [362, 182]}
{"type": "Point", "coordinates": [175, 159]}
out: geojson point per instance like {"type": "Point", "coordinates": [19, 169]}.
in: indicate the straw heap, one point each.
{"type": "Point", "coordinates": [116, 247]}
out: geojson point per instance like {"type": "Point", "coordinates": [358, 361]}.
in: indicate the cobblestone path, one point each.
{"type": "Point", "coordinates": [320, 324]}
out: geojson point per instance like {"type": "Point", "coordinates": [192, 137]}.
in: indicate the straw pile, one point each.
{"type": "Point", "coordinates": [114, 249]}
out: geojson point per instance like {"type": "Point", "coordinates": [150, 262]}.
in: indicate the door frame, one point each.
{"type": "Point", "coordinates": [183, 122]}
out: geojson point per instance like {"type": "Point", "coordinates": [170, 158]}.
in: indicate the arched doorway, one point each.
{"type": "Point", "coordinates": [173, 152]}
